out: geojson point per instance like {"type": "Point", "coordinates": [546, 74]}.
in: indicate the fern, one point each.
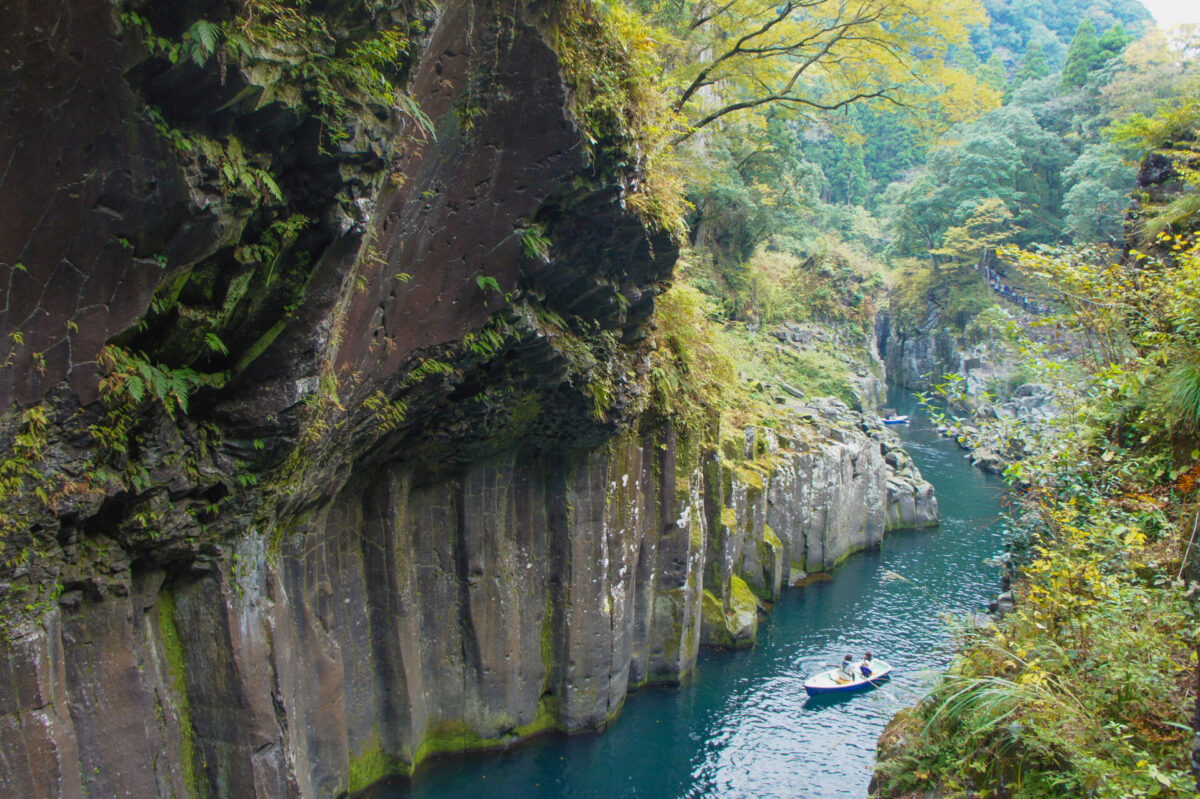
{"type": "Point", "coordinates": [203, 37]}
{"type": "Point", "coordinates": [426, 368]}
{"type": "Point", "coordinates": [215, 344]}
{"type": "Point", "coordinates": [489, 340]}
{"type": "Point", "coordinates": [131, 378]}
{"type": "Point", "coordinates": [536, 243]}
{"type": "Point", "coordinates": [548, 317]}
{"type": "Point", "coordinates": [264, 178]}
{"type": "Point", "coordinates": [390, 413]}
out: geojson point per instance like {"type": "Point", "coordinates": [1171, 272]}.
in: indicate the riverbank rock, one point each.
{"type": "Point", "coordinates": [910, 504]}
{"type": "Point", "coordinates": [988, 460]}
{"type": "Point", "coordinates": [734, 627]}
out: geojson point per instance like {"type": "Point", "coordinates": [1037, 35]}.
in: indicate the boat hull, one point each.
{"type": "Point", "coordinates": [824, 683]}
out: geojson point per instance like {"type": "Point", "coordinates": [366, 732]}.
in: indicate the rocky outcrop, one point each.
{"type": "Point", "coordinates": [911, 502]}
{"type": "Point", "coordinates": [403, 618]}
{"type": "Point", "coordinates": [844, 348]}
{"type": "Point", "coordinates": [919, 358]}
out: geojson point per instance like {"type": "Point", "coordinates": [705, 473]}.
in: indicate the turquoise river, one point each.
{"type": "Point", "coordinates": [743, 726]}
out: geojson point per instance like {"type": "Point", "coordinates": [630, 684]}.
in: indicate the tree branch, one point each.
{"type": "Point", "coordinates": [701, 79]}
{"type": "Point", "coordinates": [781, 98]}
{"type": "Point", "coordinates": [710, 17]}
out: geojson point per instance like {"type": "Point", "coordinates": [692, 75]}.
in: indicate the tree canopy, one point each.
{"type": "Point", "coordinates": [817, 55]}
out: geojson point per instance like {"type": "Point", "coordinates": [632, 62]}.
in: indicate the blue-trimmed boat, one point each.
{"type": "Point", "coordinates": [827, 682]}
{"type": "Point", "coordinates": [896, 420]}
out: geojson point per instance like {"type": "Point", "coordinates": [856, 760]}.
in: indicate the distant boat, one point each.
{"type": "Point", "coordinates": [825, 682]}
{"type": "Point", "coordinates": [896, 420]}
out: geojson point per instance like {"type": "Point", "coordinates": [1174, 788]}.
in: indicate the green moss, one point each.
{"type": "Point", "coordinates": [842, 558]}
{"type": "Point", "coordinates": [457, 736]}
{"type": "Point", "coordinates": [729, 518]}
{"type": "Point", "coordinates": [741, 598]}
{"type": "Point", "coordinates": [772, 551]}
{"type": "Point", "coordinates": [523, 411]}
{"type": "Point", "coordinates": [372, 765]}
{"type": "Point", "coordinates": [712, 612]}
{"type": "Point", "coordinates": [172, 648]}
{"type": "Point", "coordinates": [771, 539]}
{"type": "Point", "coordinates": [751, 474]}
{"type": "Point", "coordinates": [687, 458]}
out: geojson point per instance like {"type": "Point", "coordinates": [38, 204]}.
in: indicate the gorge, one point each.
{"type": "Point", "coordinates": [326, 459]}
{"type": "Point", "coordinates": [390, 389]}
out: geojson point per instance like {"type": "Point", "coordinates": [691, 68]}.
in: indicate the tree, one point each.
{"type": "Point", "coordinates": [976, 239]}
{"type": "Point", "coordinates": [819, 55]}
{"type": "Point", "coordinates": [1094, 212]}
{"type": "Point", "coordinates": [1083, 55]}
{"type": "Point", "coordinates": [1006, 156]}
{"type": "Point", "coordinates": [993, 74]}
{"type": "Point", "coordinates": [1014, 25]}
{"type": "Point", "coordinates": [1033, 67]}
{"type": "Point", "coordinates": [1114, 40]}
{"type": "Point", "coordinates": [840, 158]}
{"type": "Point", "coordinates": [1154, 69]}
{"type": "Point", "coordinates": [917, 211]}
{"type": "Point", "coordinates": [753, 183]}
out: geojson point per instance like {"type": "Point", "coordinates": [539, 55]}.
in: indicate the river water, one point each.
{"type": "Point", "coordinates": [743, 726]}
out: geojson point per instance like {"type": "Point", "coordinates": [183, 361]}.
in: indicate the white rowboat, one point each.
{"type": "Point", "coordinates": [827, 681]}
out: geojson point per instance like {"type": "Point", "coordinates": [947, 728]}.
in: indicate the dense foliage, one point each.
{"type": "Point", "coordinates": [1087, 689]}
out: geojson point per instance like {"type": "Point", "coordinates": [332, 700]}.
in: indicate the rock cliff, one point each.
{"type": "Point", "coordinates": [326, 442]}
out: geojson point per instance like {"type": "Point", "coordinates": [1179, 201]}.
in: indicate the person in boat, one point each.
{"type": "Point", "coordinates": [846, 673]}
{"type": "Point", "coordinates": [866, 667]}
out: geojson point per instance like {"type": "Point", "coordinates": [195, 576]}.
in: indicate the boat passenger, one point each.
{"type": "Point", "coordinates": [866, 667]}
{"type": "Point", "coordinates": [848, 668]}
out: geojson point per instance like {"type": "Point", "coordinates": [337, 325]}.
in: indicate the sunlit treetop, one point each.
{"type": "Point", "coordinates": [743, 56]}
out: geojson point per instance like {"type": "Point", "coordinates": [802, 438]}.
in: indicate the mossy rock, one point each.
{"type": "Point", "coordinates": [732, 628]}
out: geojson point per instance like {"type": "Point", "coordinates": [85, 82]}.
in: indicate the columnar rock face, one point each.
{"type": "Point", "coordinates": [922, 357]}
{"type": "Point", "coordinates": [414, 502]}
{"type": "Point", "coordinates": [919, 358]}
{"type": "Point", "coordinates": [403, 619]}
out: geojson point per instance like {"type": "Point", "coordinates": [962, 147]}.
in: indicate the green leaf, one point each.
{"type": "Point", "coordinates": [206, 35]}
{"type": "Point", "coordinates": [136, 388]}
{"type": "Point", "coordinates": [272, 186]}
{"type": "Point", "coordinates": [486, 282]}
{"type": "Point", "coordinates": [215, 344]}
